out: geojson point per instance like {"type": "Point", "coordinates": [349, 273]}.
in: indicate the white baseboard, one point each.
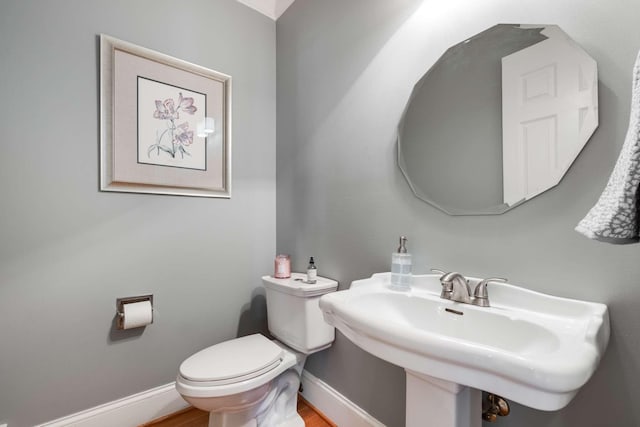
{"type": "Point", "coordinates": [143, 407]}
{"type": "Point", "coordinates": [129, 411]}
{"type": "Point", "coordinates": [335, 406]}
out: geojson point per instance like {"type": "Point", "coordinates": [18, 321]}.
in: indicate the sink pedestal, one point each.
{"type": "Point", "coordinates": [435, 402]}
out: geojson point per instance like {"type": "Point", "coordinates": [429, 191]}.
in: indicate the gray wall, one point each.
{"type": "Point", "coordinates": [68, 251]}
{"type": "Point", "coordinates": [345, 72]}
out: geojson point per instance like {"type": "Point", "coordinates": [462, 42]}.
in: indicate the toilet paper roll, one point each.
{"type": "Point", "coordinates": [137, 314]}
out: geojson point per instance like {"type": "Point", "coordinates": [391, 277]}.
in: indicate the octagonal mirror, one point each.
{"type": "Point", "coordinates": [498, 119]}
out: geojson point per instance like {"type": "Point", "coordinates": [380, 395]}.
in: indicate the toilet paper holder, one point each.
{"type": "Point", "coordinates": [121, 302]}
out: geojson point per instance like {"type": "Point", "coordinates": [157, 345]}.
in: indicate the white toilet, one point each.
{"type": "Point", "coordinates": [253, 381]}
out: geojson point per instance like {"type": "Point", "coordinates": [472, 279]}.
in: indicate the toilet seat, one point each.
{"type": "Point", "coordinates": [233, 366]}
{"type": "Point", "coordinates": [233, 361]}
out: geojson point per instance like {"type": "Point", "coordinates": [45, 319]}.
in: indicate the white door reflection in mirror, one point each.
{"type": "Point", "coordinates": [549, 111]}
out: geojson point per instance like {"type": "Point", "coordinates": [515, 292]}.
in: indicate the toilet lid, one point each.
{"type": "Point", "coordinates": [238, 359]}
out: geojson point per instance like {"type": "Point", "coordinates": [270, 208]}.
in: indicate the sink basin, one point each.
{"type": "Point", "coordinates": [532, 348]}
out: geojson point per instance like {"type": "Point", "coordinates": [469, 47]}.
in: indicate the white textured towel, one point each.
{"type": "Point", "coordinates": [614, 219]}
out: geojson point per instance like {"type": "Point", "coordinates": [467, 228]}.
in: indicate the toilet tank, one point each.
{"type": "Point", "coordinates": [293, 312]}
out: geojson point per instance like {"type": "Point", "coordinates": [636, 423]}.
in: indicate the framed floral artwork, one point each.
{"type": "Point", "coordinates": [165, 124]}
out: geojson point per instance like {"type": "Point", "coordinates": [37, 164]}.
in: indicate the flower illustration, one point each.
{"type": "Point", "coordinates": [183, 135]}
{"type": "Point", "coordinates": [166, 110]}
{"type": "Point", "coordinates": [179, 136]}
{"type": "Point", "coordinates": [186, 104]}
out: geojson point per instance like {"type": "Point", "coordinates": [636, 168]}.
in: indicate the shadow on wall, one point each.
{"type": "Point", "coordinates": [116, 334]}
{"type": "Point", "coordinates": [253, 318]}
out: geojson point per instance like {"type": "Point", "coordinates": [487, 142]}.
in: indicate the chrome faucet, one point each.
{"type": "Point", "coordinates": [455, 287]}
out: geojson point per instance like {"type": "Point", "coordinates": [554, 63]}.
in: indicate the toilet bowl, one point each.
{"type": "Point", "coordinates": [253, 381]}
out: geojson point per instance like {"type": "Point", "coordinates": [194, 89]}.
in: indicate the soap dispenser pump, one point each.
{"type": "Point", "coordinates": [401, 267]}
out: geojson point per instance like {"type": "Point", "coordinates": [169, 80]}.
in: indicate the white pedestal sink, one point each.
{"type": "Point", "coordinates": [532, 348]}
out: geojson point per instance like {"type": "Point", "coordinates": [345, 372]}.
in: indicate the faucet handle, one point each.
{"type": "Point", "coordinates": [481, 295]}
{"type": "Point", "coordinates": [448, 281]}
{"type": "Point", "coordinates": [446, 287]}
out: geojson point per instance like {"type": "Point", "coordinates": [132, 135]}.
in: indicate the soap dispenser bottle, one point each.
{"type": "Point", "coordinates": [312, 272]}
{"type": "Point", "coordinates": [401, 267]}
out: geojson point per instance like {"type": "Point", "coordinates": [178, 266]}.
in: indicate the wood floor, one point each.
{"type": "Point", "coordinates": [192, 417]}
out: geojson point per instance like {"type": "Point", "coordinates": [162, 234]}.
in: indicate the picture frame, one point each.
{"type": "Point", "coordinates": [165, 124]}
